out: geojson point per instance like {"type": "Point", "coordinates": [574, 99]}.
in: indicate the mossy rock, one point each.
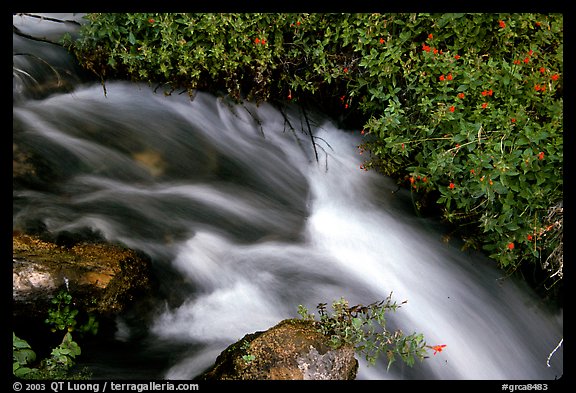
{"type": "Point", "coordinates": [291, 350]}
{"type": "Point", "coordinates": [103, 279]}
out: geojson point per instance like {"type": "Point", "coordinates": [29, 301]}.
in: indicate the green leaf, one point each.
{"type": "Point", "coordinates": [24, 356]}
{"type": "Point", "coordinates": [18, 343]}
{"type": "Point", "coordinates": [22, 372]}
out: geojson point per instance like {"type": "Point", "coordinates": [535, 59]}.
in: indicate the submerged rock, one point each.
{"type": "Point", "coordinates": [291, 350]}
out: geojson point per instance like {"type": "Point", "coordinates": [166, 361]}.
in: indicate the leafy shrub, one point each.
{"type": "Point", "coordinates": [476, 120]}
{"type": "Point", "coordinates": [465, 109]}
{"type": "Point", "coordinates": [22, 357]}
{"type": "Point", "coordinates": [62, 316]}
{"type": "Point", "coordinates": [57, 366]}
{"type": "Point", "coordinates": [364, 327]}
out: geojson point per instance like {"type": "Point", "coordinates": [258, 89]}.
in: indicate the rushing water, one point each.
{"type": "Point", "coordinates": [244, 224]}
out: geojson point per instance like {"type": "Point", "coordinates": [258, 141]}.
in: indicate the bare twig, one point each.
{"type": "Point", "coordinates": [310, 133]}
{"type": "Point", "coordinates": [43, 61]}
{"type": "Point", "coordinates": [552, 353]}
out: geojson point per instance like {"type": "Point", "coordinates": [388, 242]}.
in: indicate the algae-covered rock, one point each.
{"type": "Point", "coordinates": [291, 350]}
{"type": "Point", "coordinates": [103, 279]}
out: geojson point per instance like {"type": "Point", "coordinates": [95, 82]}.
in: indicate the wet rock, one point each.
{"type": "Point", "coordinates": [291, 350]}
{"type": "Point", "coordinates": [103, 279]}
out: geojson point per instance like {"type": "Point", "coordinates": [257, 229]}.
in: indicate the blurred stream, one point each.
{"type": "Point", "coordinates": [230, 202]}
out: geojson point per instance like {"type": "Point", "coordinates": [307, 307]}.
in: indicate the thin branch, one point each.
{"type": "Point", "coordinates": [287, 121]}
{"type": "Point", "coordinates": [552, 353]}
{"type": "Point", "coordinates": [18, 70]}
{"type": "Point", "coordinates": [311, 136]}
{"type": "Point", "coordinates": [43, 61]}
{"type": "Point", "coordinates": [256, 119]}
{"type": "Point", "coordinates": [324, 140]}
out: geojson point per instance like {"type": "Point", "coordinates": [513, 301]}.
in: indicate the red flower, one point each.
{"type": "Point", "coordinates": [513, 120]}
{"type": "Point", "coordinates": [526, 60]}
{"type": "Point", "coordinates": [517, 61]}
{"type": "Point", "coordinates": [430, 36]}
{"type": "Point", "coordinates": [263, 41]}
{"type": "Point", "coordinates": [542, 70]}
{"type": "Point", "coordinates": [438, 348]}
{"type": "Point", "coordinates": [541, 155]}
{"type": "Point", "coordinates": [451, 186]}
{"type": "Point", "coordinates": [435, 51]}
{"type": "Point", "coordinates": [460, 95]}
{"type": "Point", "coordinates": [449, 77]}
{"type": "Point", "coordinates": [510, 246]}
{"type": "Point", "coordinates": [529, 237]}
{"type": "Point", "coordinates": [502, 24]}
{"type": "Point", "coordinates": [441, 77]}
{"type": "Point", "coordinates": [151, 20]}
{"type": "Point", "coordinates": [381, 40]}
{"type": "Point", "coordinates": [456, 57]}
{"type": "Point", "coordinates": [484, 105]}
{"type": "Point", "coordinates": [425, 48]}
{"type": "Point", "coordinates": [257, 40]}
{"type": "Point", "coordinates": [345, 69]}
{"type": "Point", "coordinates": [555, 77]}
{"type": "Point", "coordinates": [452, 108]}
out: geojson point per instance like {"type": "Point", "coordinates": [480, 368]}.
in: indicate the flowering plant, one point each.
{"type": "Point", "coordinates": [478, 113]}
{"type": "Point", "coordinates": [464, 109]}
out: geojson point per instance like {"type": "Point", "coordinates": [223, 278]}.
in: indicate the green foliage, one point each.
{"type": "Point", "coordinates": [23, 356]}
{"type": "Point", "coordinates": [62, 317]}
{"type": "Point", "coordinates": [465, 109]}
{"type": "Point", "coordinates": [477, 121]}
{"type": "Point", "coordinates": [57, 366]}
{"type": "Point", "coordinates": [62, 357]}
{"type": "Point", "coordinates": [364, 327]}
{"type": "Point", "coordinates": [248, 358]}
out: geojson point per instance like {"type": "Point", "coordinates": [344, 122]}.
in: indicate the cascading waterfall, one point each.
{"type": "Point", "coordinates": [231, 199]}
